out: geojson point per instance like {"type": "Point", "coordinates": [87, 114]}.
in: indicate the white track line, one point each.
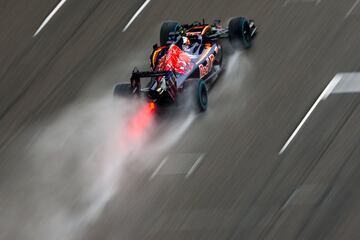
{"type": "Point", "coordinates": [289, 199]}
{"type": "Point", "coordinates": [136, 14]}
{"type": "Point", "coordinates": [158, 168]}
{"type": "Point", "coordinates": [350, 83]}
{"type": "Point", "coordinates": [47, 19]}
{"type": "Point", "coordinates": [322, 96]}
{"type": "Point", "coordinates": [352, 8]}
{"type": "Point", "coordinates": [196, 164]}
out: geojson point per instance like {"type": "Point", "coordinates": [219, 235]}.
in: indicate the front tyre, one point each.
{"type": "Point", "coordinates": [240, 33]}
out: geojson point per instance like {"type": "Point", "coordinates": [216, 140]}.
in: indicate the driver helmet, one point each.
{"type": "Point", "coordinates": [186, 41]}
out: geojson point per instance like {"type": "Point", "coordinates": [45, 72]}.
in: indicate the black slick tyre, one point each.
{"type": "Point", "coordinates": [201, 95]}
{"type": "Point", "coordinates": [166, 29]}
{"type": "Point", "coordinates": [240, 33]}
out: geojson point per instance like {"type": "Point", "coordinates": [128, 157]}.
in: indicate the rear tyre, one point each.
{"type": "Point", "coordinates": [166, 29]}
{"type": "Point", "coordinates": [122, 90]}
{"type": "Point", "coordinates": [240, 33]}
{"type": "Point", "coordinates": [201, 95]}
{"type": "Point", "coordinates": [194, 97]}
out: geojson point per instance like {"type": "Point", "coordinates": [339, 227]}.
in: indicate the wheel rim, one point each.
{"type": "Point", "coordinates": [177, 27]}
{"type": "Point", "coordinates": [246, 32]}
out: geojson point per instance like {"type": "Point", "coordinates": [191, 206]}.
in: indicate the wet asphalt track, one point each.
{"type": "Point", "coordinates": [240, 187]}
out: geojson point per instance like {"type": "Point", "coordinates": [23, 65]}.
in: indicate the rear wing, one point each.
{"type": "Point", "coordinates": [148, 74]}
{"type": "Point", "coordinates": [136, 77]}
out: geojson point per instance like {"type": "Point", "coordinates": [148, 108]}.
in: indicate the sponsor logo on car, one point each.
{"type": "Point", "coordinates": [204, 70]}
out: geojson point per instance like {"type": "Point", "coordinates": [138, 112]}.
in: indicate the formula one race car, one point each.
{"type": "Point", "coordinates": [187, 62]}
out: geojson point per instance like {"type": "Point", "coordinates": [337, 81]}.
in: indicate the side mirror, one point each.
{"type": "Point", "coordinates": [155, 46]}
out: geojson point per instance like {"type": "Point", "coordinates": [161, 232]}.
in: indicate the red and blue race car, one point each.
{"type": "Point", "coordinates": [187, 62]}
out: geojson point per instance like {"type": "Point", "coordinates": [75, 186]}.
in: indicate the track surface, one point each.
{"type": "Point", "coordinates": [241, 188]}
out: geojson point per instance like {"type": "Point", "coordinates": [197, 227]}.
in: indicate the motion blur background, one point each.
{"type": "Point", "coordinates": [76, 164]}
